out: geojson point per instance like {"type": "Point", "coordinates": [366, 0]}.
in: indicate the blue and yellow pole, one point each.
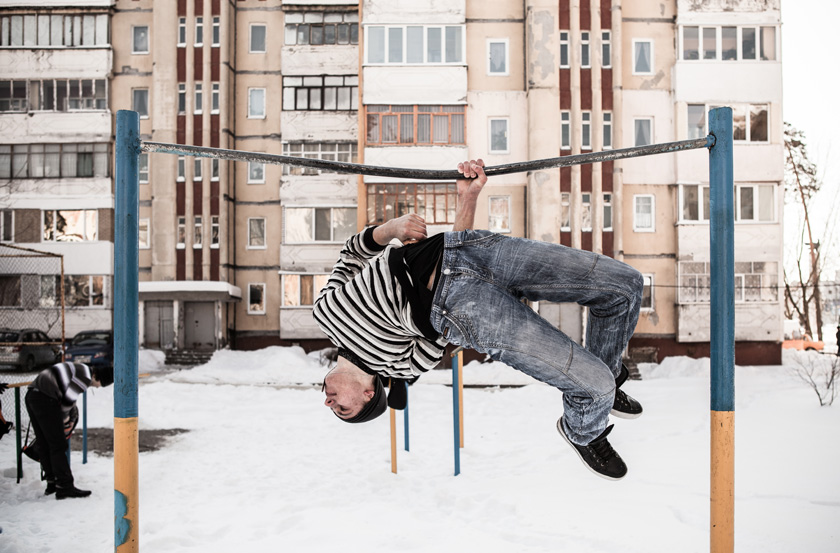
{"type": "Point", "coordinates": [722, 231]}
{"type": "Point", "coordinates": [126, 302]}
{"type": "Point", "coordinates": [456, 408]}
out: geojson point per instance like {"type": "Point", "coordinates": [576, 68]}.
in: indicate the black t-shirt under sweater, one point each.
{"type": "Point", "coordinates": [419, 260]}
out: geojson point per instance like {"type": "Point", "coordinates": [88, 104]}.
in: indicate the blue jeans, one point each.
{"type": "Point", "coordinates": [478, 305]}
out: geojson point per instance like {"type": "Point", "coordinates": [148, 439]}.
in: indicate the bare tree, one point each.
{"type": "Point", "coordinates": [802, 289]}
{"type": "Point", "coordinates": [820, 372]}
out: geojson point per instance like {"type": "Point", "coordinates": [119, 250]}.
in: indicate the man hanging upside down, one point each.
{"type": "Point", "coordinates": [391, 310]}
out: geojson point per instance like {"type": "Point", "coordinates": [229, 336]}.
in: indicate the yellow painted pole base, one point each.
{"type": "Point", "coordinates": [393, 415]}
{"type": "Point", "coordinates": [722, 531]}
{"type": "Point", "coordinates": [126, 486]}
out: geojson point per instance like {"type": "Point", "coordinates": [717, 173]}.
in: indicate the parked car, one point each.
{"type": "Point", "coordinates": [803, 343]}
{"type": "Point", "coordinates": [94, 348]}
{"type": "Point", "coordinates": [27, 349]}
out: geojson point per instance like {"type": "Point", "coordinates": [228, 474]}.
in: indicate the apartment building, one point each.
{"type": "Point", "coordinates": [55, 150]}
{"type": "Point", "coordinates": [234, 254]}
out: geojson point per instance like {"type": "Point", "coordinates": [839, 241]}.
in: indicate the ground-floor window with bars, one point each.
{"type": "Point", "coordinates": [421, 124]}
{"type": "Point", "coordinates": [346, 152]}
{"type": "Point", "coordinates": [434, 202]}
{"type": "Point", "coordinates": [755, 281]}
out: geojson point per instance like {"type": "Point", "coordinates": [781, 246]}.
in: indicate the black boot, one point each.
{"type": "Point", "coordinates": [598, 455]}
{"type": "Point", "coordinates": [50, 488]}
{"type": "Point", "coordinates": [624, 406]}
{"type": "Point", "coordinates": [72, 491]}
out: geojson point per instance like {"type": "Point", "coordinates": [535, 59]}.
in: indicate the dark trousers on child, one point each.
{"type": "Point", "coordinates": [48, 423]}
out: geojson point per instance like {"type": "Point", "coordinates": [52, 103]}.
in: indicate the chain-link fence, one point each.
{"type": "Point", "coordinates": [31, 317]}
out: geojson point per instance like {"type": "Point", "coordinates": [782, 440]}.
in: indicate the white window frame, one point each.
{"type": "Point", "coordinates": [214, 169]}
{"type": "Point", "coordinates": [198, 97]}
{"type": "Point", "coordinates": [638, 120]}
{"type": "Point", "coordinates": [490, 122]}
{"type": "Point", "coordinates": [386, 30]}
{"type": "Point", "coordinates": [566, 125]}
{"type": "Point", "coordinates": [606, 49]}
{"type": "Point", "coordinates": [606, 130]}
{"type": "Point", "coordinates": [145, 221]}
{"type": "Point", "coordinates": [90, 232]}
{"type": "Point", "coordinates": [143, 167]}
{"type": "Point", "coordinates": [506, 43]}
{"type": "Point", "coordinates": [585, 130]}
{"type": "Point", "coordinates": [702, 216]}
{"type": "Point", "coordinates": [199, 31]}
{"type": "Point", "coordinates": [252, 311]}
{"type": "Point", "coordinates": [134, 49]}
{"type": "Point", "coordinates": [252, 165]}
{"type": "Point", "coordinates": [216, 33]}
{"type": "Point", "coordinates": [636, 224]}
{"type": "Point", "coordinates": [148, 101]}
{"type": "Point", "coordinates": [649, 283]}
{"type": "Point", "coordinates": [181, 169]}
{"type": "Point", "coordinates": [181, 232]}
{"type": "Point", "coordinates": [756, 188]}
{"type": "Point", "coordinates": [182, 32]}
{"type": "Point", "coordinates": [315, 293]}
{"type": "Point", "coordinates": [198, 167]}
{"type": "Point", "coordinates": [252, 115]}
{"type": "Point", "coordinates": [507, 200]}
{"type": "Point", "coordinates": [248, 245]}
{"type": "Point", "coordinates": [198, 232]}
{"type": "Point", "coordinates": [215, 97]}
{"type": "Point", "coordinates": [607, 206]}
{"type": "Point", "coordinates": [215, 237]}
{"type": "Point", "coordinates": [182, 98]}
{"type": "Point", "coordinates": [565, 46]}
{"type": "Point", "coordinates": [565, 211]}
{"type": "Point", "coordinates": [251, 38]}
{"type": "Point", "coordinates": [652, 56]}
{"type": "Point", "coordinates": [313, 230]}
{"type": "Point", "coordinates": [585, 50]}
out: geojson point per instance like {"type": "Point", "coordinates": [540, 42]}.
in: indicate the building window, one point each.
{"type": "Point", "coordinates": [499, 136]}
{"type": "Point", "coordinates": [642, 57]}
{"type": "Point", "coordinates": [199, 98]}
{"type": "Point", "coordinates": [608, 211]}
{"type": "Point", "coordinates": [643, 131]}
{"type": "Point", "coordinates": [199, 31]}
{"type": "Point", "coordinates": [607, 130]}
{"type": "Point", "coordinates": [50, 161]}
{"type": "Point", "coordinates": [143, 234]}
{"type": "Point", "coordinates": [565, 211]}
{"type": "Point", "coordinates": [197, 232]}
{"type": "Point", "coordinates": [143, 168]}
{"type": "Point", "coordinates": [140, 102]}
{"type": "Point", "coordinates": [53, 95]}
{"type": "Point", "coordinates": [497, 57]}
{"type": "Point", "coordinates": [565, 130]}
{"type": "Point", "coordinates": [585, 62]}
{"type": "Point", "coordinates": [301, 290]}
{"type": "Point", "coordinates": [747, 43]}
{"type": "Point", "coordinates": [7, 225]}
{"type": "Point", "coordinates": [217, 32]}
{"type": "Point", "coordinates": [586, 212]}
{"type": "Point", "coordinates": [749, 122]}
{"type": "Point", "coordinates": [182, 233]}
{"type": "Point", "coordinates": [643, 213]}
{"type": "Point", "coordinates": [256, 298]}
{"type": "Point", "coordinates": [256, 172]}
{"type": "Point", "coordinates": [400, 44]}
{"type": "Point", "coordinates": [214, 169]}
{"type": "Point", "coordinates": [755, 203]}
{"type": "Point", "coordinates": [140, 39]}
{"type": "Point", "coordinates": [694, 199]}
{"type": "Point", "coordinates": [81, 225]}
{"type": "Point", "coordinates": [321, 28]}
{"type": "Point", "coordinates": [182, 98]}
{"type": "Point", "coordinates": [564, 49]}
{"type": "Point", "coordinates": [346, 152]}
{"type": "Point", "coordinates": [729, 43]}
{"type": "Point", "coordinates": [434, 202]}
{"type": "Point", "coordinates": [256, 103]}
{"type": "Point", "coordinates": [257, 43]}
{"type": "Point", "coordinates": [401, 124]}
{"type": "Point", "coordinates": [256, 233]}
{"type": "Point", "coordinates": [215, 232]}
{"type": "Point", "coordinates": [647, 293]}
{"type": "Point", "coordinates": [55, 30]}
{"type": "Point", "coordinates": [182, 32]}
{"type": "Point", "coordinates": [499, 214]}
{"type": "Point", "coordinates": [606, 49]}
{"type": "Point", "coordinates": [696, 121]}
{"type": "Point", "coordinates": [182, 168]}
{"type": "Point", "coordinates": [304, 225]}
{"type": "Point", "coordinates": [700, 43]}
{"type": "Point", "coordinates": [84, 291]}
{"type": "Point", "coordinates": [322, 93]}
{"type": "Point", "coordinates": [586, 130]}
{"type": "Point", "coordinates": [214, 98]}
{"type": "Point", "coordinates": [197, 166]}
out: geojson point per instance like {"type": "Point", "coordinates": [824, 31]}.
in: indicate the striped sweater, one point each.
{"type": "Point", "coordinates": [362, 308]}
{"type": "Point", "coordinates": [64, 382]}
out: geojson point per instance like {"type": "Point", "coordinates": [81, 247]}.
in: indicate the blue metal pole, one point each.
{"type": "Point", "coordinates": [722, 258]}
{"type": "Point", "coordinates": [18, 436]}
{"type": "Point", "coordinates": [456, 415]}
{"type": "Point", "coordinates": [405, 417]}
{"type": "Point", "coordinates": [84, 428]}
{"type": "Point", "coordinates": [126, 301]}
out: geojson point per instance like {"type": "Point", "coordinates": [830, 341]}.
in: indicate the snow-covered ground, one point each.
{"type": "Point", "coordinates": [265, 467]}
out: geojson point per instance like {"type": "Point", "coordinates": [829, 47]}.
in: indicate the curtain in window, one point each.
{"type": "Point", "coordinates": [644, 213]}
{"type": "Point", "coordinates": [256, 232]}
{"type": "Point", "coordinates": [642, 61]}
{"type": "Point", "coordinates": [758, 123]}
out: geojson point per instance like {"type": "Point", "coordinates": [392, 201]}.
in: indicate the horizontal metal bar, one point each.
{"type": "Point", "coordinates": [427, 174]}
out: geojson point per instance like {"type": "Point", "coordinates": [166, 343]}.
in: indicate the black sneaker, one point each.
{"type": "Point", "coordinates": [598, 455]}
{"type": "Point", "coordinates": [5, 428]}
{"type": "Point", "coordinates": [72, 491]}
{"type": "Point", "coordinates": [50, 488]}
{"type": "Point", "coordinates": [624, 406]}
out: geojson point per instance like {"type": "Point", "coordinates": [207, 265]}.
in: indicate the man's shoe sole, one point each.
{"type": "Point", "coordinates": [623, 415]}
{"type": "Point", "coordinates": [575, 449]}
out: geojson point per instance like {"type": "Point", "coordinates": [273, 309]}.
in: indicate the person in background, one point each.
{"type": "Point", "coordinates": [50, 401]}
